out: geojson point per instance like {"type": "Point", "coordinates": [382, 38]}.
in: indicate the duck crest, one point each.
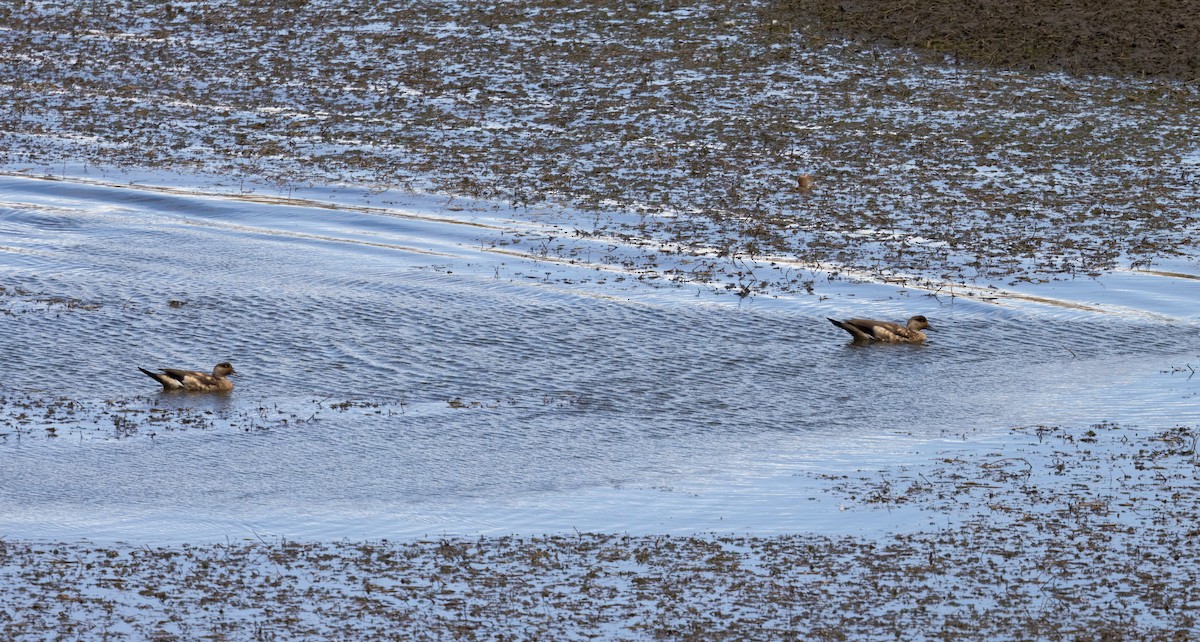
{"type": "Point", "coordinates": [173, 379]}
{"type": "Point", "coordinates": [870, 330]}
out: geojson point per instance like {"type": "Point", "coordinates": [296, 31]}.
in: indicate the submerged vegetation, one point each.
{"type": "Point", "coordinates": [737, 128]}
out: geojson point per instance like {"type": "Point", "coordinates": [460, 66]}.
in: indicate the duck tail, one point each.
{"type": "Point", "coordinates": [159, 377]}
{"type": "Point", "coordinates": [854, 330]}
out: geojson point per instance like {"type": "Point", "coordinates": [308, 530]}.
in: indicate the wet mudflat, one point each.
{"type": "Point", "coordinates": [475, 442]}
{"type": "Point", "coordinates": [698, 118]}
{"type": "Point", "coordinates": [532, 337]}
{"type": "Point", "coordinates": [387, 391]}
{"type": "Point", "coordinates": [1047, 533]}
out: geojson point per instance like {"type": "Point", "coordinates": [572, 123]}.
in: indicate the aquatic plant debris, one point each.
{"type": "Point", "coordinates": [680, 125]}
{"type": "Point", "coordinates": [29, 415]}
{"type": "Point", "coordinates": [736, 147]}
{"type": "Point", "coordinates": [1050, 532]}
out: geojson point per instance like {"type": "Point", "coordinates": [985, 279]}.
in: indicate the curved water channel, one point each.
{"type": "Point", "coordinates": [407, 373]}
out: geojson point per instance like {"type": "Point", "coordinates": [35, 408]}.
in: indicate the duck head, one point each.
{"type": "Point", "coordinates": [919, 323]}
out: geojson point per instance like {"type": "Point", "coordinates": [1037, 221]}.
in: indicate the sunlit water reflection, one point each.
{"type": "Point", "coordinates": [486, 400]}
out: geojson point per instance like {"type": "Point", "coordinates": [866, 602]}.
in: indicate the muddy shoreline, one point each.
{"type": "Point", "coordinates": [669, 124]}
{"type": "Point", "coordinates": [702, 121]}
{"type": "Point", "coordinates": [1051, 533]}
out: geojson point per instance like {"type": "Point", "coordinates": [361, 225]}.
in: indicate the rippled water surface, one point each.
{"type": "Point", "coordinates": [401, 377]}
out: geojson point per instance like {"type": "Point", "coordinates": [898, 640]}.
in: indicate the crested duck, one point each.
{"type": "Point", "coordinates": [194, 380]}
{"type": "Point", "coordinates": [867, 330]}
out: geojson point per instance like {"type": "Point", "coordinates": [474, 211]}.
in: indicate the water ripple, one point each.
{"type": "Point", "coordinates": [472, 387]}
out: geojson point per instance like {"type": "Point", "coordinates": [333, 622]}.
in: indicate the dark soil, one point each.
{"type": "Point", "coordinates": [1159, 38]}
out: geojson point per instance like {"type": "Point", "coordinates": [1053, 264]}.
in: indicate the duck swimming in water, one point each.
{"type": "Point", "coordinates": [194, 380]}
{"type": "Point", "coordinates": [867, 330]}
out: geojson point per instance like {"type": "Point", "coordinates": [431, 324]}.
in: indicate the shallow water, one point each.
{"type": "Point", "coordinates": [492, 392]}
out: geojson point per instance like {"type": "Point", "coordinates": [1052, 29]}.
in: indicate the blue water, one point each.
{"type": "Point", "coordinates": [482, 399]}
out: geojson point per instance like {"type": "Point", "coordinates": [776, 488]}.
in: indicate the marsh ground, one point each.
{"type": "Point", "coordinates": [1051, 534]}
{"type": "Point", "coordinates": [563, 281]}
{"type": "Point", "coordinates": [699, 117]}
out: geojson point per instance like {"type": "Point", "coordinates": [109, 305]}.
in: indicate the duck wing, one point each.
{"type": "Point", "coordinates": [851, 326]}
{"type": "Point", "coordinates": [881, 330]}
{"type": "Point", "coordinates": [191, 379]}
